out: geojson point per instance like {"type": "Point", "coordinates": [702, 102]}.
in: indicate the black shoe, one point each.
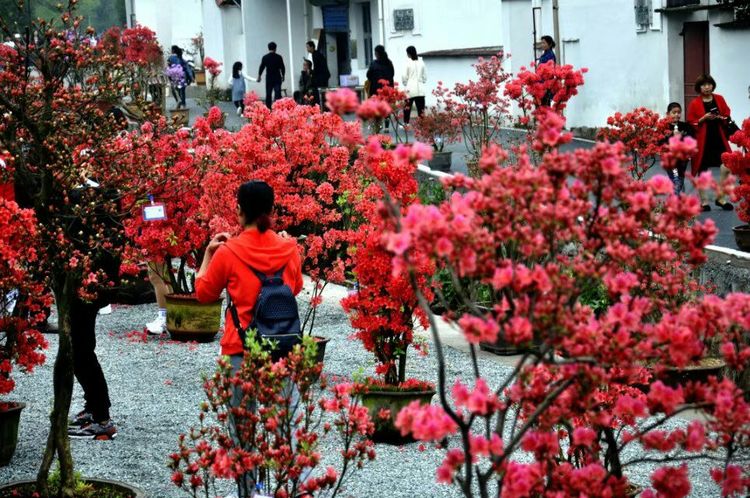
{"type": "Point", "coordinates": [727, 206]}
{"type": "Point", "coordinates": [82, 419]}
{"type": "Point", "coordinates": [706, 207]}
{"type": "Point", "coordinates": [100, 431]}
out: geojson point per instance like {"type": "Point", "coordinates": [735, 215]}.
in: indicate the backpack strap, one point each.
{"type": "Point", "coordinates": [236, 319]}
{"type": "Point", "coordinates": [263, 277]}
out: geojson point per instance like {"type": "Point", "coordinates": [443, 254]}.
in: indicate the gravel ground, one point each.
{"type": "Point", "coordinates": [155, 390]}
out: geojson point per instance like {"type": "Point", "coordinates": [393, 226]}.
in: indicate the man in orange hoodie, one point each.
{"type": "Point", "coordinates": [227, 262]}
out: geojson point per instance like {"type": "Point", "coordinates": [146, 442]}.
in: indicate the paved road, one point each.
{"type": "Point", "coordinates": [724, 220]}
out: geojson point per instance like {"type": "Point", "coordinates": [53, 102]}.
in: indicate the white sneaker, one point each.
{"type": "Point", "coordinates": [158, 326]}
{"type": "Point", "coordinates": [239, 111]}
{"type": "Point", "coordinates": [107, 310]}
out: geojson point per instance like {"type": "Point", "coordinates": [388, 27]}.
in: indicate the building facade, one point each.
{"type": "Point", "coordinates": [638, 52]}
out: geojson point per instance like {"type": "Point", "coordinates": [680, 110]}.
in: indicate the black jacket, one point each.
{"type": "Point", "coordinates": [321, 74]}
{"type": "Point", "coordinates": [274, 64]}
{"type": "Point", "coordinates": [380, 70]}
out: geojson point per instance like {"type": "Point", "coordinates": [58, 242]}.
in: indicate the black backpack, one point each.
{"type": "Point", "coordinates": [275, 315]}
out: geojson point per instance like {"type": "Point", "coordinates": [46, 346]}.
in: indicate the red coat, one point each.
{"type": "Point", "coordinates": [694, 113]}
{"type": "Point", "coordinates": [266, 252]}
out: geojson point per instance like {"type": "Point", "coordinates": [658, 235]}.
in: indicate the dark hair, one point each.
{"type": "Point", "coordinates": [311, 44]}
{"type": "Point", "coordinates": [702, 80]}
{"type": "Point", "coordinates": [255, 199]}
{"type": "Point", "coordinates": [412, 52]}
{"type": "Point", "coordinates": [272, 46]}
{"type": "Point", "coordinates": [236, 68]}
{"type": "Point", "coordinates": [673, 105]}
{"type": "Point", "coordinates": [380, 53]}
{"type": "Point", "coordinates": [177, 51]}
{"type": "Point", "coordinates": [307, 61]}
{"type": "Point", "coordinates": [550, 41]}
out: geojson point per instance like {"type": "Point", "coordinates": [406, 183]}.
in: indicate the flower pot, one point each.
{"type": "Point", "coordinates": [742, 237]}
{"type": "Point", "coordinates": [441, 161]}
{"type": "Point", "coordinates": [699, 372]}
{"type": "Point", "coordinates": [102, 487]}
{"type": "Point", "coordinates": [10, 416]}
{"type": "Point", "coordinates": [180, 117]}
{"type": "Point", "coordinates": [472, 167]}
{"type": "Point", "coordinates": [321, 342]}
{"type": "Point", "coordinates": [190, 320]}
{"type": "Point", "coordinates": [200, 77]}
{"type": "Point", "coordinates": [394, 401]}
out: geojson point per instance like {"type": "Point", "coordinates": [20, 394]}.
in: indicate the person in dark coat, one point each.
{"type": "Point", "coordinates": [305, 95]}
{"type": "Point", "coordinates": [273, 63]}
{"type": "Point", "coordinates": [708, 114]}
{"type": "Point", "coordinates": [380, 69]}
{"type": "Point", "coordinates": [680, 129]}
{"type": "Point", "coordinates": [320, 72]}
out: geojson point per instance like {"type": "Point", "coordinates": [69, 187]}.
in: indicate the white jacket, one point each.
{"type": "Point", "coordinates": [414, 78]}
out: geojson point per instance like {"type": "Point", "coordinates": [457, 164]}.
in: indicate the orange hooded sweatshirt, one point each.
{"type": "Point", "coordinates": [230, 268]}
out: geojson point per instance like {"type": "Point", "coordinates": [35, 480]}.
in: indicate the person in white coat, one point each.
{"type": "Point", "coordinates": [414, 79]}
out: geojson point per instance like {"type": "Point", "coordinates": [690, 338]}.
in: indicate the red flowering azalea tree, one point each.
{"type": "Point", "coordinates": [305, 156]}
{"type": "Point", "coordinates": [479, 106]}
{"type": "Point", "coordinates": [60, 138]}
{"type": "Point", "coordinates": [643, 132]}
{"type": "Point", "coordinates": [178, 164]}
{"type": "Point", "coordinates": [24, 299]}
{"type": "Point", "coordinates": [276, 444]}
{"type": "Point", "coordinates": [738, 163]}
{"type": "Point", "coordinates": [383, 310]}
{"type": "Point", "coordinates": [593, 387]}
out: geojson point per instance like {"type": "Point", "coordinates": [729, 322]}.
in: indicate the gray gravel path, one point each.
{"type": "Point", "coordinates": [155, 390]}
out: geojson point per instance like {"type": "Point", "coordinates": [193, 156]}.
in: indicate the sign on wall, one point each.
{"type": "Point", "coordinates": [403, 19]}
{"type": "Point", "coordinates": [643, 14]}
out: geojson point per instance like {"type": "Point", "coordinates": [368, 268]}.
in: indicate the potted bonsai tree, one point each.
{"type": "Point", "coordinates": [273, 449]}
{"type": "Point", "coordinates": [23, 300]}
{"type": "Point", "coordinates": [384, 309]}
{"type": "Point", "coordinates": [60, 142]}
{"type": "Point", "coordinates": [738, 163]}
{"type": "Point", "coordinates": [179, 164]}
{"type": "Point", "coordinates": [438, 127]}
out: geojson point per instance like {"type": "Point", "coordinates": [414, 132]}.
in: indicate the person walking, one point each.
{"type": "Point", "coordinates": [273, 63]}
{"type": "Point", "coordinates": [237, 265]}
{"type": "Point", "coordinates": [708, 114]}
{"type": "Point", "coordinates": [237, 82]}
{"type": "Point", "coordinates": [381, 68]}
{"type": "Point", "coordinates": [175, 59]}
{"type": "Point", "coordinates": [414, 79]}
{"type": "Point", "coordinates": [320, 72]}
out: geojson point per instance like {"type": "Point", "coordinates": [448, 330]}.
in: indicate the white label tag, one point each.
{"type": "Point", "coordinates": [154, 212]}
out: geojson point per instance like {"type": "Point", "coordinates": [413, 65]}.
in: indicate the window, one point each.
{"type": "Point", "coordinates": [367, 32]}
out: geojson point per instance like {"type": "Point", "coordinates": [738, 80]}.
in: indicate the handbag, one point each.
{"type": "Point", "coordinates": [366, 88]}
{"type": "Point", "coordinates": [732, 127]}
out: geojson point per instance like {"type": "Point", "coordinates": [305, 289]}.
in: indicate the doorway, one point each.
{"type": "Point", "coordinates": [696, 56]}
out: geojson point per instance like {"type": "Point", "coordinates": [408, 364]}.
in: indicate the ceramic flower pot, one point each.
{"type": "Point", "coordinates": [384, 407]}
{"type": "Point", "coordinates": [102, 487]}
{"type": "Point", "coordinates": [190, 320]}
{"type": "Point", "coordinates": [10, 416]}
{"type": "Point", "coordinates": [441, 161]}
{"type": "Point", "coordinates": [742, 237]}
{"type": "Point", "coordinates": [699, 372]}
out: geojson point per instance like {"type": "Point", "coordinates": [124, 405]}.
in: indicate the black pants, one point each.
{"type": "Point", "coordinates": [276, 89]}
{"type": "Point", "coordinates": [86, 365]}
{"type": "Point", "coordinates": [420, 108]}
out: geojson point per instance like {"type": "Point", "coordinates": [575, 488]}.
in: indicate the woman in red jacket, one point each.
{"type": "Point", "coordinates": [708, 114]}
{"type": "Point", "coordinates": [227, 264]}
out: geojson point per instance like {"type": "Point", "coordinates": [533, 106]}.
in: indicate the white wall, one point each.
{"type": "Point", "coordinates": [728, 59]}
{"type": "Point", "coordinates": [439, 25]}
{"type": "Point", "coordinates": [174, 21]}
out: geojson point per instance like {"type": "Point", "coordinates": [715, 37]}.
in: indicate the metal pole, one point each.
{"type": "Point", "coordinates": [556, 25]}
{"type": "Point", "coordinates": [290, 74]}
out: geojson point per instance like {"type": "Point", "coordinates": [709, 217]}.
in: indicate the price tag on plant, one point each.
{"type": "Point", "coordinates": [154, 212]}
